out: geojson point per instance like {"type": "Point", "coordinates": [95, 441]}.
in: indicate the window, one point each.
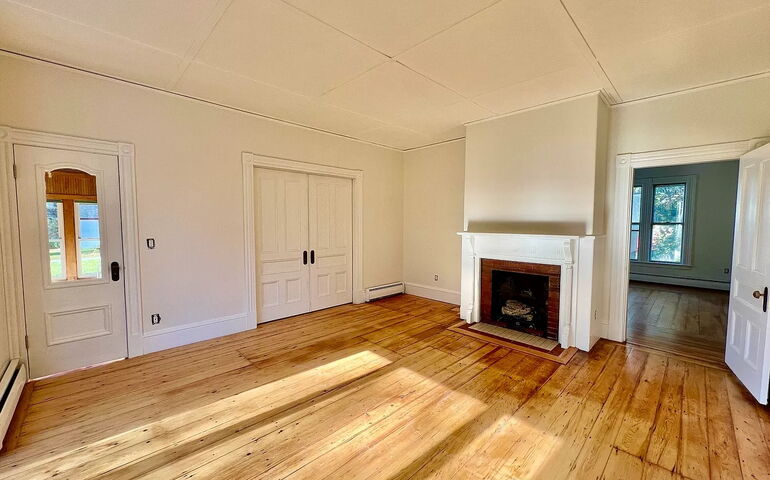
{"type": "Point", "coordinates": [660, 221]}
{"type": "Point", "coordinates": [72, 216]}
{"type": "Point", "coordinates": [667, 223]}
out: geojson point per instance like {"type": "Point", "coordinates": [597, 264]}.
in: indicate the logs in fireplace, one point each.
{"type": "Point", "coordinates": [521, 296]}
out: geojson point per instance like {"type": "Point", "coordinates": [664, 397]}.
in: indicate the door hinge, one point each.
{"type": "Point", "coordinates": [15, 173]}
{"type": "Point", "coordinates": [26, 341]}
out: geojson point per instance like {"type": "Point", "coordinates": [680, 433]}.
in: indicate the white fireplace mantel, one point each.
{"type": "Point", "coordinates": [574, 254]}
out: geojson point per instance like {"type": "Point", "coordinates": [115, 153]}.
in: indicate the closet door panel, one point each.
{"type": "Point", "coordinates": [331, 241]}
{"type": "Point", "coordinates": [281, 206]}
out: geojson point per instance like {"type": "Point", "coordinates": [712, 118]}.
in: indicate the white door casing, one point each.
{"type": "Point", "coordinates": [72, 323]}
{"type": "Point", "coordinates": [250, 162]}
{"type": "Point", "coordinates": [281, 208]}
{"type": "Point", "coordinates": [626, 163]}
{"type": "Point", "coordinates": [747, 350]}
{"type": "Point", "coordinates": [331, 238]}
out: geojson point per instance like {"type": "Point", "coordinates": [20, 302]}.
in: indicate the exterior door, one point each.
{"type": "Point", "coordinates": [748, 335]}
{"type": "Point", "coordinates": [72, 257]}
{"type": "Point", "coordinates": [331, 241]}
{"type": "Point", "coordinates": [282, 243]}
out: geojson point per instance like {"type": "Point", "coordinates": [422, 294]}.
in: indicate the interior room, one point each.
{"type": "Point", "coordinates": [682, 222]}
{"type": "Point", "coordinates": [285, 239]}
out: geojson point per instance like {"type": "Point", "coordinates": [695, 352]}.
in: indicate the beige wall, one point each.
{"type": "Point", "coordinates": [433, 214]}
{"type": "Point", "coordinates": [536, 171]}
{"type": "Point", "coordinates": [4, 344]}
{"type": "Point", "coordinates": [600, 182]}
{"type": "Point", "coordinates": [413, 203]}
{"type": "Point", "coordinates": [189, 185]}
{"type": "Point", "coordinates": [726, 113]}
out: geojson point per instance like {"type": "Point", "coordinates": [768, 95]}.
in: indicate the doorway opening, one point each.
{"type": "Point", "coordinates": [680, 258]}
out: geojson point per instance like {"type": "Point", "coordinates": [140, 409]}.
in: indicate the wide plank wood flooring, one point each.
{"type": "Point", "coordinates": [384, 390]}
{"type": "Point", "coordinates": [682, 320]}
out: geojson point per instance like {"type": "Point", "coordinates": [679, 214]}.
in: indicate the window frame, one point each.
{"type": "Point", "coordinates": [637, 224]}
{"type": "Point", "coordinates": [647, 219]}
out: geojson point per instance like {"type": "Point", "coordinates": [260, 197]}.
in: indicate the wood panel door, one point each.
{"type": "Point", "coordinates": [72, 258]}
{"type": "Point", "coordinates": [748, 337]}
{"type": "Point", "coordinates": [282, 243]}
{"type": "Point", "coordinates": [331, 241]}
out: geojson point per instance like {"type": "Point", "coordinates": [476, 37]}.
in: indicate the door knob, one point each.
{"type": "Point", "coordinates": [763, 295]}
{"type": "Point", "coordinates": [115, 271]}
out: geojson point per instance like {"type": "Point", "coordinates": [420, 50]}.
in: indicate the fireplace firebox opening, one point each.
{"type": "Point", "coordinates": [521, 296]}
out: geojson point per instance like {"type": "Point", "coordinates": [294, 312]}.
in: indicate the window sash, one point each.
{"type": "Point", "coordinates": [60, 239]}
{"type": "Point", "coordinates": [635, 228]}
{"type": "Point", "coordinates": [78, 242]}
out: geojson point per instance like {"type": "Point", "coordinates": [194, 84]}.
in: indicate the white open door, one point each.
{"type": "Point", "coordinates": [748, 336]}
{"type": "Point", "coordinates": [282, 253]}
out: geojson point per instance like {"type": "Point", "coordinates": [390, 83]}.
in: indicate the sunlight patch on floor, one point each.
{"type": "Point", "coordinates": [202, 421]}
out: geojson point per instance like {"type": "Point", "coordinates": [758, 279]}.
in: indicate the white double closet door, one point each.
{"type": "Point", "coordinates": [304, 242]}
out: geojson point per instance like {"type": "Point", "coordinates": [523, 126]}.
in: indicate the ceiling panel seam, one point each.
{"type": "Point", "coordinates": [202, 35]}
{"type": "Point", "coordinates": [588, 52]}
{"type": "Point", "coordinates": [303, 12]}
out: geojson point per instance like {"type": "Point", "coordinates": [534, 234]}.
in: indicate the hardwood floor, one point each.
{"type": "Point", "coordinates": [686, 321]}
{"type": "Point", "coordinates": [384, 390]}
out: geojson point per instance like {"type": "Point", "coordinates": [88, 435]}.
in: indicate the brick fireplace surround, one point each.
{"type": "Point", "coordinates": [553, 272]}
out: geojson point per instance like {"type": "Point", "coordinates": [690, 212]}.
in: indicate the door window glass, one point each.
{"type": "Point", "coordinates": [72, 215]}
{"type": "Point", "coordinates": [89, 252]}
{"type": "Point", "coordinates": [55, 221]}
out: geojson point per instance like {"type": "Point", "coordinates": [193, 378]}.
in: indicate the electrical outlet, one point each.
{"type": "Point", "coordinates": [435, 277]}
{"type": "Point", "coordinates": [155, 318]}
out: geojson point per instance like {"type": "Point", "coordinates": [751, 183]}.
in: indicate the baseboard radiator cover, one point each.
{"type": "Point", "coordinates": [380, 291]}
{"type": "Point", "coordinates": [11, 386]}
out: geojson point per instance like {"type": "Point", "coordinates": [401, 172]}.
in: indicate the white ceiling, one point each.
{"type": "Point", "coordinates": [400, 73]}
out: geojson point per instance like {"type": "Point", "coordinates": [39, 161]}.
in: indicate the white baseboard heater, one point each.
{"type": "Point", "coordinates": [380, 291]}
{"type": "Point", "coordinates": [11, 385]}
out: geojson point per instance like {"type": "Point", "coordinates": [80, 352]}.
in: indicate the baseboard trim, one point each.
{"type": "Point", "coordinates": [682, 282]}
{"type": "Point", "coordinates": [434, 293]}
{"type": "Point", "coordinates": [196, 332]}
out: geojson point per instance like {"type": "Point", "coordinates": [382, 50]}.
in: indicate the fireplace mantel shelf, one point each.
{"type": "Point", "coordinates": [536, 235]}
